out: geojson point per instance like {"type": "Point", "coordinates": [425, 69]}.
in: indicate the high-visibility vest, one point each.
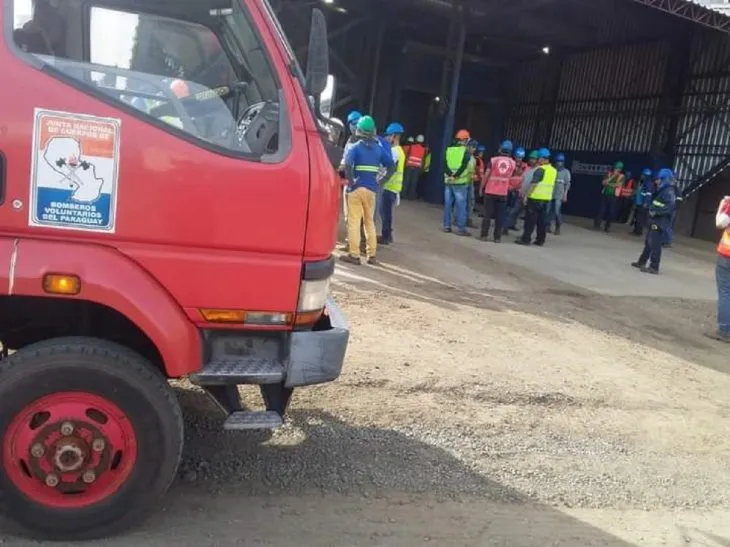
{"type": "Point", "coordinates": [723, 248]}
{"type": "Point", "coordinates": [479, 171]}
{"type": "Point", "coordinates": [501, 169]}
{"type": "Point", "coordinates": [516, 181]}
{"type": "Point", "coordinates": [627, 190]}
{"type": "Point", "coordinates": [395, 183]}
{"type": "Point", "coordinates": [544, 190]}
{"type": "Point", "coordinates": [454, 159]}
{"type": "Point", "coordinates": [415, 155]}
{"type": "Point", "coordinates": [427, 162]}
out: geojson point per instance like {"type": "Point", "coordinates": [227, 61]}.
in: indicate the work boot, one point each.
{"type": "Point", "coordinates": [383, 241]}
{"type": "Point", "coordinates": [539, 243]}
{"type": "Point", "coordinates": [637, 265]}
{"type": "Point", "coordinates": [557, 231]}
{"type": "Point", "coordinates": [521, 241]}
{"type": "Point", "coordinates": [349, 259]}
{"type": "Point", "coordinates": [649, 270]}
{"type": "Point", "coordinates": [497, 240]}
{"type": "Point", "coordinates": [447, 230]}
{"type": "Point", "coordinates": [463, 234]}
{"type": "Point", "coordinates": [483, 238]}
{"type": "Point", "coordinates": [372, 261]}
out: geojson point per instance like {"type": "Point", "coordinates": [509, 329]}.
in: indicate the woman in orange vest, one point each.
{"type": "Point", "coordinates": [415, 153]}
{"type": "Point", "coordinates": [722, 272]}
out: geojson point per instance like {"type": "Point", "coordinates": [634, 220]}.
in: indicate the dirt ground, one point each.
{"type": "Point", "coordinates": [485, 401]}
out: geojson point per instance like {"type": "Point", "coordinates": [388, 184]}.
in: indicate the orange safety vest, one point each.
{"type": "Point", "coordinates": [723, 248]}
{"type": "Point", "coordinates": [479, 171]}
{"type": "Point", "coordinates": [516, 181]}
{"type": "Point", "coordinates": [415, 154]}
{"type": "Point", "coordinates": [627, 190]}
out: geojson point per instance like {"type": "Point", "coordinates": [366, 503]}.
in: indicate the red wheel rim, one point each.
{"type": "Point", "coordinates": [69, 450]}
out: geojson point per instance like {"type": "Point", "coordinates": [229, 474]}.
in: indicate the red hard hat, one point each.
{"type": "Point", "coordinates": [462, 134]}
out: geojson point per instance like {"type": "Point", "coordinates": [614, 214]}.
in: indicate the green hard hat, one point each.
{"type": "Point", "coordinates": [618, 165]}
{"type": "Point", "coordinates": [533, 155]}
{"type": "Point", "coordinates": [366, 125]}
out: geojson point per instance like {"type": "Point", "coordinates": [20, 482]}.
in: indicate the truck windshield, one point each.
{"type": "Point", "coordinates": [207, 75]}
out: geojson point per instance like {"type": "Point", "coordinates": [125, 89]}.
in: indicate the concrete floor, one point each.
{"type": "Point", "coordinates": [593, 261]}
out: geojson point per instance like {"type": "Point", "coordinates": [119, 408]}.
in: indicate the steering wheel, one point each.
{"type": "Point", "coordinates": [258, 124]}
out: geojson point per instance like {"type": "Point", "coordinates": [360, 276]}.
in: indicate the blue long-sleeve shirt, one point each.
{"type": "Point", "coordinates": [645, 191]}
{"type": "Point", "coordinates": [363, 162]}
{"type": "Point", "coordinates": [663, 204]}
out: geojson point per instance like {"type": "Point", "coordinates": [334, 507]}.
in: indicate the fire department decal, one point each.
{"type": "Point", "coordinates": [74, 174]}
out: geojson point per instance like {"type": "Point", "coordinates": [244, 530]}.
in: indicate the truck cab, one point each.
{"type": "Point", "coordinates": [168, 209]}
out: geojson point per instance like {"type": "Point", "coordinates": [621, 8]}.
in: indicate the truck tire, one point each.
{"type": "Point", "coordinates": [91, 438]}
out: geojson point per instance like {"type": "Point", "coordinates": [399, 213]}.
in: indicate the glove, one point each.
{"type": "Point", "coordinates": [397, 200]}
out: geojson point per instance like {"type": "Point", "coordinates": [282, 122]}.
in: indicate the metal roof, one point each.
{"type": "Point", "coordinates": [714, 14]}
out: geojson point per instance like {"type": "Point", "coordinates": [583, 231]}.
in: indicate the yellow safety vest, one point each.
{"type": "Point", "coordinates": [427, 163]}
{"type": "Point", "coordinates": [395, 183]}
{"type": "Point", "coordinates": [544, 190]}
{"type": "Point", "coordinates": [454, 159]}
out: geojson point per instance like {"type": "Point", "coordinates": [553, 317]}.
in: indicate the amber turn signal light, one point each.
{"type": "Point", "coordinates": [62, 284]}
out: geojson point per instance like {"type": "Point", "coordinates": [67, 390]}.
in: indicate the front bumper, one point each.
{"type": "Point", "coordinates": [317, 356]}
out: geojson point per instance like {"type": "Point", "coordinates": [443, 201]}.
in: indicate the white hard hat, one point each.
{"type": "Point", "coordinates": [420, 139]}
{"type": "Point", "coordinates": [410, 139]}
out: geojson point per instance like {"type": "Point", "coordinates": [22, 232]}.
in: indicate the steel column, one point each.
{"type": "Point", "coordinates": [376, 65]}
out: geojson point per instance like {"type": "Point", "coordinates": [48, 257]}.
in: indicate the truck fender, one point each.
{"type": "Point", "coordinates": [112, 279]}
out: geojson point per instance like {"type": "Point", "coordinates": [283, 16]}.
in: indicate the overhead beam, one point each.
{"type": "Point", "coordinates": [691, 11]}
{"type": "Point", "coordinates": [443, 52]}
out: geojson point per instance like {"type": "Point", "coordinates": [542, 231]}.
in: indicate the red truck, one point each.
{"type": "Point", "coordinates": [168, 209]}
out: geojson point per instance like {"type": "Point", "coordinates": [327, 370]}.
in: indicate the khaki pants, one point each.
{"type": "Point", "coordinates": [361, 208]}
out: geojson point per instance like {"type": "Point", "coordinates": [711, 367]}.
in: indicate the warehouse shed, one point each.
{"type": "Point", "coordinates": [643, 81]}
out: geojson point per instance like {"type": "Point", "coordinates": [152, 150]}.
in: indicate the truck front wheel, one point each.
{"type": "Point", "coordinates": [91, 438]}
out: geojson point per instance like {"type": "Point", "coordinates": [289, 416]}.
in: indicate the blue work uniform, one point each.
{"type": "Point", "coordinates": [668, 236]}
{"type": "Point", "coordinates": [661, 211]}
{"type": "Point", "coordinates": [642, 199]}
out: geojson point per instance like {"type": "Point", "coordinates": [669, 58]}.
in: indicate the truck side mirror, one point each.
{"type": "Point", "coordinates": [326, 98]}
{"type": "Point", "coordinates": [318, 60]}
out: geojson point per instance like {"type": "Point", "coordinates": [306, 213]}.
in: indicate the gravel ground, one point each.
{"type": "Point", "coordinates": [482, 404]}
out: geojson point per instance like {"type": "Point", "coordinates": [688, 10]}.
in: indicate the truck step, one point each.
{"type": "Point", "coordinates": [249, 419]}
{"type": "Point", "coordinates": [239, 371]}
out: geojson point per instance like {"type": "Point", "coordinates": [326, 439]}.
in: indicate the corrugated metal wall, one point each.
{"type": "Point", "coordinates": [703, 131]}
{"type": "Point", "coordinates": [607, 100]}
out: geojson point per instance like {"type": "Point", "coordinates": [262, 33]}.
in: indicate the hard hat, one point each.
{"type": "Point", "coordinates": [462, 135]}
{"type": "Point", "coordinates": [473, 143]}
{"type": "Point", "coordinates": [665, 174]}
{"type": "Point", "coordinates": [618, 165]}
{"type": "Point", "coordinates": [420, 139]}
{"type": "Point", "coordinates": [543, 153]}
{"type": "Point", "coordinates": [353, 117]}
{"type": "Point", "coordinates": [394, 129]}
{"type": "Point", "coordinates": [366, 125]}
{"type": "Point", "coordinates": [560, 157]}
{"type": "Point", "coordinates": [180, 89]}
{"type": "Point", "coordinates": [410, 139]}
{"type": "Point", "coordinates": [533, 155]}
{"type": "Point", "coordinates": [481, 148]}
{"type": "Point", "coordinates": [506, 146]}
{"type": "Point", "coordinates": [520, 153]}
{"type": "Point", "coordinates": [647, 172]}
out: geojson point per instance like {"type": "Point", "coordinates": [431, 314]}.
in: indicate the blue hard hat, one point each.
{"type": "Point", "coordinates": [473, 143]}
{"type": "Point", "coordinates": [507, 146]}
{"type": "Point", "coordinates": [394, 129]}
{"type": "Point", "coordinates": [520, 153]}
{"type": "Point", "coordinates": [353, 117]}
{"type": "Point", "coordinates": [647, 172]}
{"type": "Point", "coordinates": [665, 173]}
{"type": "Point", "coordinates": [481, 148]}
{"type": "Point", "coordinates": [543, 153]}
{"type": "Point", "coordinates": [560, 157]}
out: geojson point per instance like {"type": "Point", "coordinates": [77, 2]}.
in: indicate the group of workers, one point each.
{"type": "Point", "coordinates": [509, 182]}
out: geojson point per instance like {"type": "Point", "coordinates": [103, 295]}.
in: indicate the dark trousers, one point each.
{"type": "Point", "coordinates": [535, 218]}
{"type": "Point", "coordinates": [387, 214]}
{"type": "Point", "coordinates": [606, 212]}
{"type": "Point", "coordinates": [652, 246]}
{"type": "Point", "coordinates": [410, 182]}
{"type": "Point", "coordinates": [640, 216]}
{"type": "Point", "coordinates": [493, 208]}
{"type": "Point", "coordinates": [722, 275]}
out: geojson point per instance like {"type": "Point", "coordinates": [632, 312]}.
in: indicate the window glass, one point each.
{"type": "Point", "coordinates": [215, 86]}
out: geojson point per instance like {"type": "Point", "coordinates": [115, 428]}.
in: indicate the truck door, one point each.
{"type": "Point", "coordinates": [168, 132]}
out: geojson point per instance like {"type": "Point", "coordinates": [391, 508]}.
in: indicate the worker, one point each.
{"type": "Point", "coordinates": [662, 206]}
{"type": "Point", "coordinates": [495, 187]}
{"type": "Point", "coordinates": [181, 90]}
{"type": "Point", "coordinates": [45, 33]}
{"type": "Point", "coordinates": [642, 200]}
{"type": "Point", "coordinates": [515, 183]}
{"type": "Point", "coordinates": [472, 191]}
{"type": "Point", "coordinates": [352, 118]}
{"type": "Point", "coordinates": [722, 272]}
{"type": "Point", "coordinates": [560, 194]}
{"type": "Point", "coordinates": [668, 236]}
{"type": "Point", "coordinates": [537, 199]}
{"type": "Point", "coordinates": [414, 167]}
{"type": "Point", "coordinates": [393, 185]}
{"type": "Point", "coordinates": [457, 179]}
{"type": "Point", "coordinates": [610, 186]}
{"type": "Point", "coordinates": [518, 206]}
{"type": "Point", "coordinates": [362, 165]}
{"type": "Point", "coordinates": [626, 198]}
